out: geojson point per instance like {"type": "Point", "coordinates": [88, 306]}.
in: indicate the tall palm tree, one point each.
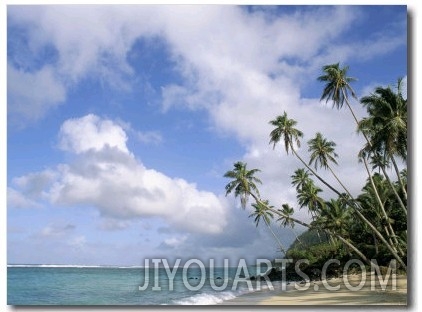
{"type": "Point", "coordinates": [308, 197]}
{"type": "Point", "coordinates": [243, 183]}
{"type": "Point", "coordinates": [375, 202]}
{"type": "Point", "coordinates": [337, 86]}
{"type": "Point", "coordinates": [337, 89]}
{"type": "Point", "coordinates": [387, 124]}
{"type": "Point", "coordinates": [322, 153]}
{"type": "Point", "coordinates": [285, 131]}
{"type": "Point", "coordinates": [263, 212]}
{"type": "Point", "coordinates": [300, 178]}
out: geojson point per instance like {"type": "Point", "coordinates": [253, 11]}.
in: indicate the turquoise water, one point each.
{"type": "Point", "coordinates": [29, 285]}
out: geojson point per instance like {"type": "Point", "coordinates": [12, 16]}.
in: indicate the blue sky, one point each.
{"type": "Point", "coordinates": [122, 121]}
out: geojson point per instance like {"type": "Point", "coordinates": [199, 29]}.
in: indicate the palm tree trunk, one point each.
{"type": "Point", "coordinates": [313, 219]}
{"type": "Point", "coordinates": [276, 238]}
{"type": "Point", "coordinates": [297, 237]}
{"type": "Point", "coordinates": [338, 180]}
{"type": "Point", "coordinates": [379, 235]}
{"type": "Point", "coordinates": [313, 172]}
{"type": "Point", "coordinates": [375, 244]}
{"type": "Point", "coordinates": [396, 168]}
{"type": "Point", "coordinates": [390, 246]}
{"type": "Point", "coordinates": [258, 201]}
{"type": "Point", "coordinates": [353, 247]}
{"type": "Point", "coordinates": [393, 234]}
{"type": "Point", "coordinates": [403, 207]}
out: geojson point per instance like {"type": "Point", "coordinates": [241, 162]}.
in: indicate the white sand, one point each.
{"type": "Point", "coordinates": [349, 293]}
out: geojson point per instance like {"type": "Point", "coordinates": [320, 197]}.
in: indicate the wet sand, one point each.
{"type": "Point", "coordinates": [353, 290]}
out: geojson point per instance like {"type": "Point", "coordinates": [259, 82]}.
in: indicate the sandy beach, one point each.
{"type": "Point", "coordinates": [350, 290]}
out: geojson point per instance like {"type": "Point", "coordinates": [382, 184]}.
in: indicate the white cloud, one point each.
{"type": "Point", "coordinates": [106, 175]}
{"type": "Point", "coordinates": [243, 69]}
{"type": "Point", "coordinates": [211, 56]}
{"type": "Point", "coordinates": [32, 94]}
{"type": "Point", "coordinates": [80, 135]}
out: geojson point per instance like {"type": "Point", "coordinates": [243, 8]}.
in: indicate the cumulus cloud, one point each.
{"type": "Point", "coordinates": [107, 176]}
{"type": "Point", "coordinates": [90, 132]}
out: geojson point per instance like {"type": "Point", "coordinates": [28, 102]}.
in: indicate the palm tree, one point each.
{"type": "Point", "coordinates": [337, 86]}
{"type": "Point", "coordinates": [263, 212]}
{"type": "Point", "coordinates": [387, 112]}
{"type": "Point", "coordinates": [335, 216]}
{"type": "Point", "coordinates": [379, 191]}
{"type": "Point", "coordinates": [243, 182]}
{"type": "Point", "coordinates": [300, 178]}
{"type": "Point", "coordinates": [375, 202]}
{"type": "Point", "coordinates": [387, 124]}
{"type": "Point", "coordinates": [285, 131]}
{"type": "Point", "coordinates": [282, 215]}
{"type": "Point", "coordinates": [285, 221]}
{"type": "Point", "coordinates": [308, 197]}
{"type": "Point", "coordinates": [322, 153]}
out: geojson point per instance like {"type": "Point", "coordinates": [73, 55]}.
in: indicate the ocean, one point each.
{"type": "Point", "coordinates": [81, 285]}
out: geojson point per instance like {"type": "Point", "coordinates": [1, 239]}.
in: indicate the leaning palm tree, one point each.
{"type": "Point", "coordinates": [337, 86]}
{"type": "Point", "coordinates": [375, 202]}
{"type": "Point", "coordinates": [387, 124]}
{"type": "Point", "coordinates": [337, 89]}
{"type": "Point", "coordinates": [322, 154]}
{"type": "Point", "coordinates": [285, 131]}
{"type": "Point", "coordinates": [263, 212]}
{"type": "Point", "coordinates": [308, 196]}
{"type": "Point", "coordinates": [243, 183]}
{"type": "Point", "coordinates": [300, 178]}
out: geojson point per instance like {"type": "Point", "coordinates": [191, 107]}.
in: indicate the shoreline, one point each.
{"type": "Point", "coordinates": [352, 290]}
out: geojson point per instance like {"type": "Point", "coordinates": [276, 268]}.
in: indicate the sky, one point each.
{"type": "Point", "coordinates": [122, 120]}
